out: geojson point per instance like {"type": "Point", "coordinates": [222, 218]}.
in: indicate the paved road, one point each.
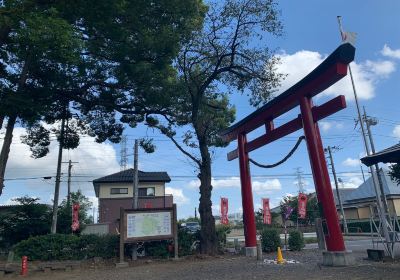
{"type": "Point", "coordinates": [361, 244]}
{"type": "Point", "coordinates": [241, 237]}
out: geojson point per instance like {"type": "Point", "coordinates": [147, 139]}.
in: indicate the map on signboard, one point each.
{"type": "Point", "coordinates": [148, 224]}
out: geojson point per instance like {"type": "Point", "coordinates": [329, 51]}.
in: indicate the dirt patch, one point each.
{"type": "Point", "coordinates": [231, 267]}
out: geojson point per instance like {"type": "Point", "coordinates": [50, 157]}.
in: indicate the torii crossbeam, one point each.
{"type": "Point", "coordinates": [331, 70]}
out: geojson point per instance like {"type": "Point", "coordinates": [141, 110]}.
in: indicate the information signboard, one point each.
{"type": "Point", "coordinates": [148, 224]}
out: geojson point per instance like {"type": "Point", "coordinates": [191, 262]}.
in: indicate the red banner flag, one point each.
{"type": "Point", "coordinates": [302, 205]}
{"type": "Point", "coordinates": [75, 217]}
{"type": "Point", "coordinates": [266, 211]}
{"type": "Point", "coordinates": [224, 211]}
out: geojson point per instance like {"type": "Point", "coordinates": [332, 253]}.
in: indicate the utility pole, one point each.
{"type": "Point", "coordinates": [135, 189]}
{"type": "Point", "coordinates": [57, 186]}
{"type": "Point", "coordinates": [69, 181]}
{"type": "Point", "coordinates": [382, 215]}
{"type": "Point", "coordinates": [337, 189]}
{"type": "Point", "coordinates": [300, 182]}
{"type": "Point", "coordinates": [370, 122]}
{"type": "Point", "coordinates": [195, 212]}
{"type": "Point", "coordinates": [362, 172]}
{"type": "Point", "coordinates": [123, 153]}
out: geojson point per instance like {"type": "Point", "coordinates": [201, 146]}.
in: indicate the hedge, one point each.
{"type": "Point", "coordinates": [270, 240]}
{"type": "Point", "coordinates": [296, 240]}
{"type": "Point", "coordinates": [68, 247]}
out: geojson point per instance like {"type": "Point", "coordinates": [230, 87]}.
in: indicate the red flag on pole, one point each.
{"type": "Point", "coordinates": [75, 217]}
{"type": "Point", "coordinates": [302, 205]}
{"type": "Point", "coordinates": [266, 211]}
{"type": "Point", "coordinates": [224, 211]}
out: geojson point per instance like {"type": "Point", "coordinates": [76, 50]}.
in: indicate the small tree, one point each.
{"type": "Point", "coordinates": [296, 240]}
{"type": "Point", "coordinates": [65, 212]}
{"type": "Point", "coordinates": [28, 218]}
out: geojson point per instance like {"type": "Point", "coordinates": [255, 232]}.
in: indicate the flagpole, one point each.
{"type": "Point", "coordinates": [378, 188]}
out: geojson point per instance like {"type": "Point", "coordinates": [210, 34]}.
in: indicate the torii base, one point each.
{"type": "Point", "coordinates": [250, 251]}
{"type": "Point", "coordinates": [344, 258]}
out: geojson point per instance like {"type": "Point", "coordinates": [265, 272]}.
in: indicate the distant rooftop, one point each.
{"type": "Point", "coordinates": [127, 176]}
{"type": "Point", "coordinates": [366, 191]}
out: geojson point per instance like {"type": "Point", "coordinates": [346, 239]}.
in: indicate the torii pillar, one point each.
{"type": "Point", "coordinates": [326, 74]}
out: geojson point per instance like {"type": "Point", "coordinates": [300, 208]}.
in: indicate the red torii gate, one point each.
{"type": "Point", "coordinates": [326, 74]}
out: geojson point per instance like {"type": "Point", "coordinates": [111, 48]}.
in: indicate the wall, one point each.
{"type": "Point", "coordinates": [351, 214]}
{"type": "Point", "coordinates": [105, 189]}
{"type": "Point", "coordinates": [109, 208]}
{"type": "Point", "coordinates": [396, 204]}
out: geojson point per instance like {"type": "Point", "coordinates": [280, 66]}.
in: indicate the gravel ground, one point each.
{"type": "Point", "coordinates": [232, 267]}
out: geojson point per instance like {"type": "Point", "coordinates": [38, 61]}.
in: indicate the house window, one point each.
{"type": "Point", "coordinates": [147, 192]}
{"type": "Point", "coordinates": [119, 190]}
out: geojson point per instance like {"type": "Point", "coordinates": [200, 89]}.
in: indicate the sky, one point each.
{"type": "Point", "coordinates": [311, 33]}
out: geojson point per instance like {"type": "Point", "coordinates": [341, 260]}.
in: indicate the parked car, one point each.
{"type": "Point", "coordinates": [192, 227]}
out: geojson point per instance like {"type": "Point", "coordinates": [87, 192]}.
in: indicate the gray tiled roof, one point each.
{"type": "Point", "coordinates": [127, 176]}
{"type": "Point", "coordinates": [366, 190]}
{"type": "Point", "coordinates": [344, 194]}
{"type": "Point", "coordinates": [391, 154]}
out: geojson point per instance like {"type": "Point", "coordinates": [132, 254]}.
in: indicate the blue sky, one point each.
{"type": "Point", "coordinates": [311, 33]}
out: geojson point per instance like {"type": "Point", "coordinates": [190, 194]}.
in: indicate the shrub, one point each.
{"type": "Point", "coordinates": [270, 240]}
{"type": "Point", "coordinates": [68, 247]}
{"type": "Point", "coordinates": [222, 231]}
{"type": "Point", "coordinates": [185, 241]}
{"type": "Point", "coordinates": [296, 240]}
{"type": "Point", "coordinates": [157, 249]}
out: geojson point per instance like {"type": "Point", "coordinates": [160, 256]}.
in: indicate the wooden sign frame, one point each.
{"type": "Point", "coordinates": [124, 223]}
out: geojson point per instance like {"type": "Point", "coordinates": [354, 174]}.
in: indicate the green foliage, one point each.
{"type": "Point", "coordinates": [185, 241]}
{"type": "Point", "coordinates": [394, 172]}
{"type": "Point", "coordinates": [27, 219]}
{"type": "Point", "coordinates": [260, 221]}
{"type": "Point", "coordinates": [270, 240]}
{"type": "Point", "coordinates": [312, 210]}
{"type": "Point", "coordinates": [158, 249]}
{"type": "Point", "coordinates": [222, 231]}
{"type": "Point", "coordinates": [68, 247]}
{"type": "Point", "coordinates": [296, 240]}
{"type": "Point", "coordinates": [65, 212]}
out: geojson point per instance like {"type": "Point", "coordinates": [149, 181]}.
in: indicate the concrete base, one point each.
{"type": "Point", "coordinates": [343, 258]}
{"type": "Point", "coordinates": [250, 251]}
{"type": "Point", "coordinates": [122, 265]}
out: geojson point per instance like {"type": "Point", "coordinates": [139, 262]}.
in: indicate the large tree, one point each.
{"type": "Point", "coordinates": [229, 54]}
{"type": "Point", "coordinates": [87, 60]}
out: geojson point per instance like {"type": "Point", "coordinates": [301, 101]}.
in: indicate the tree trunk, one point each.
{"type": "Point", "coordinates": [1, 122]}
{"type": "Point", "coordinates": [209, 241]}
{"type": "Point", "coordinates": [5, 150]}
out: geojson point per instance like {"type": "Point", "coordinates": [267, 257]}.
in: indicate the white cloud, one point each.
{"type": "Point", "coordinates": [216, 209]}
{"type": "Point", "coordinates": [380, 68]}
{"type": "Point", "coordinates": [387, 51]}
{"type": "Point", "coordinates": [266, 186]}
{"type": "Point", "coordinates": [352, 182]}
{"type": "Point", "coordinates": [351, 162]}
{"type": "Point", "coordinates": [94, 160]}
{"type": "Point", "coordinates": [366, 74]}
{"type": "Point", "coordinates": [396, 131]}
{"type": "Point", "coordinates": [179, 197]}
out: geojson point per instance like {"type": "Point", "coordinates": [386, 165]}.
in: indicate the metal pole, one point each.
{"type": "Point", "coordinates": [57, 186]}
{"type": "Point", "coordinates": [135, 190]}
{"type": "Point", "coordinates": [337, 191]}
{"type": "Point", "coordinates": [374, 177]}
